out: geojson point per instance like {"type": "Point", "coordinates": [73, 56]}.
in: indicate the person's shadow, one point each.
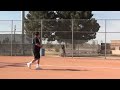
{"type": "Point", "coordinates": [4, 64]}
{"type": "Point", "coordinates": [64, 69]}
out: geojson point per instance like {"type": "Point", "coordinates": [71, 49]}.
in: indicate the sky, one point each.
{"type": "Point", "coordinates": [112, 23]}
{"type": "Point", "coordinates": [16, 15]}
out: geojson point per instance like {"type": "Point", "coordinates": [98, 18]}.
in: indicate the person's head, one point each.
{"type": "Point", "coordinates": [37, 34]}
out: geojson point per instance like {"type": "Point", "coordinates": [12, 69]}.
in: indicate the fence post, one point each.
{"type": "Point", "coordinates": [41, 39]}
{"type": "Point", "coordinates": [23, 16]}
{"type": "Point", "coordinates": [11, 36]}
{"type": "Point", "coordinates": [105, 40]}
{"type": "Point", "coordinates": [72, 38]}
{"type": "Point", "coordinates": [41, 30]}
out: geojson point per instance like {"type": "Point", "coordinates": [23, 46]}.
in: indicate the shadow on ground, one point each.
{"type": "Point", "coordinates": [4, 64]}
{"type": "Point", "coordinates": [65, 69]}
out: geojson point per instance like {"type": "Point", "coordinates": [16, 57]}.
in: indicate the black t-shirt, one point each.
{"type": "Point", "coordinates": [36, 41]}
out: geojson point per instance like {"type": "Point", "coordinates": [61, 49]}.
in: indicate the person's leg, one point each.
{"type": "Point", "coordinates": [29, 64]}
{"type": "Point", "coordinates": [38, 64]}
{"type": "Point", "coordinates": [32, 61]}
{"type": "Point", "coordinates": [38, 61]}
{"type": "Point", "coordinates": [64, 53]}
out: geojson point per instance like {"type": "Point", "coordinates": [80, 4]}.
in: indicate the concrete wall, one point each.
{"type": "Point", "coordinates": [116, 51]}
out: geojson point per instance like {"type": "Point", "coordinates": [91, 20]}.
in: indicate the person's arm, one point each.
{"type": "Point", "coordinates": [38, 45]}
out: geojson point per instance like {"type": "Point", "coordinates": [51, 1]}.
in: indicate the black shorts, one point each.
{"type": "Point", "coordinates": [36, 54]}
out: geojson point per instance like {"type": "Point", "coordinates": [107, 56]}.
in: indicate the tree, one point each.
{"type": "Point", "coordinates": [84, 26]}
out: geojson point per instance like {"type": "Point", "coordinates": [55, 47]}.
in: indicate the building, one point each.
{"type": "Point", "coordinates": [115, 47]}
{"type": "Point", "coordinates": [108, 48]}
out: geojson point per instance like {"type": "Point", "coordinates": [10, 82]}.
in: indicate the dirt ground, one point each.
{"type": "Point", "coordinates": [14, 67]}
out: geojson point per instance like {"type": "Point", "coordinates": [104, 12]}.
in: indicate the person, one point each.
{"type": "Point", "coordinates": [36, 51]}
{"type": "Point", "coordinates": [63, 50]}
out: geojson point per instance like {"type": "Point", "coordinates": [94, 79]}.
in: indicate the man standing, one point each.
{"type": "Point", "coordinates": [36, 51]}
{"type": "Point", "coordinates": [63, 51]}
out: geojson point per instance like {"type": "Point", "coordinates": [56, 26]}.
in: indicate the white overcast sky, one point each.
{"type": "Point", "coordinates": [112, 25]}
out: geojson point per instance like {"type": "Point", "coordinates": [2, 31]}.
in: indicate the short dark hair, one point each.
{"type": "Point", "coordinates": [37, 33]}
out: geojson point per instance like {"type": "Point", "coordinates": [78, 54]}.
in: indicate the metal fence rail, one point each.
{"type": "Point", "coordinates": [106, 42]}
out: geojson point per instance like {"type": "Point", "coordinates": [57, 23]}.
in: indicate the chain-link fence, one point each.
{"type": "Point", "coordinates": [64, 37]}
